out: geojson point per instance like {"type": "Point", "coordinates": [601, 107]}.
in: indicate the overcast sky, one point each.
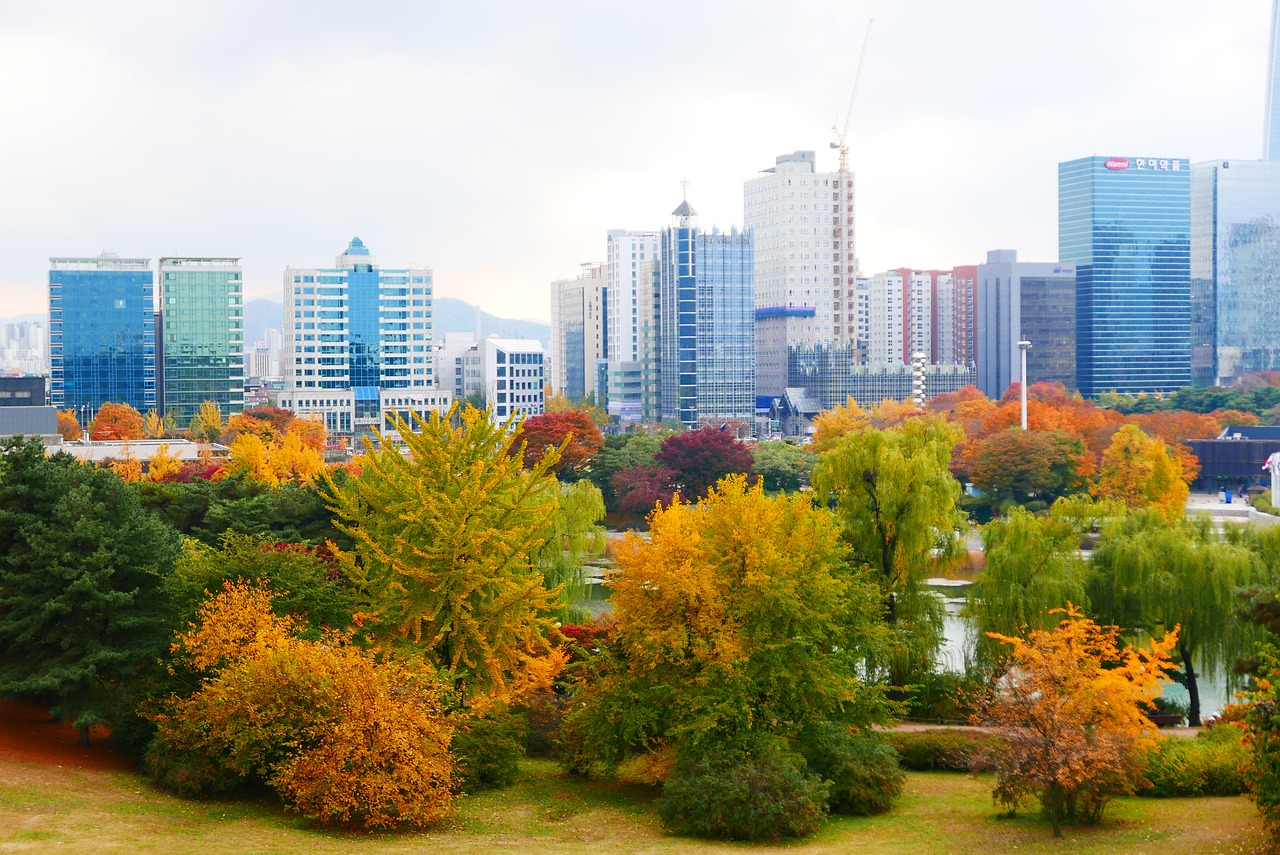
{"type": "Point", "coordinates": [497, 142]}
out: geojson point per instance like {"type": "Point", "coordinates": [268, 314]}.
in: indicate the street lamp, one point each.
{"type": "Point", "coordinates": [1024, 346]}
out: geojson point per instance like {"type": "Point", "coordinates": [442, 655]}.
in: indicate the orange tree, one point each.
{"type": "Point", "coordinates": [1022, 464]}
{"type": "Point", "coordinates": [69, 425]}
{"type": "Point", "coordinates": [117, 421]}
{"type": "Point", "coordinates": [1139, 472]}
{"type": "Point", "coordinates": [339, 736]}
{"type": "Point", "coordinates": [1071, 709]}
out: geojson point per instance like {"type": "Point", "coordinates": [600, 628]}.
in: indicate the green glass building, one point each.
{"type": "Point", "coordinates": [200, 325]}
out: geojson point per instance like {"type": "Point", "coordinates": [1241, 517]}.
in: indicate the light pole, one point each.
{"type": "Point", "coordinates": [1024, 346]}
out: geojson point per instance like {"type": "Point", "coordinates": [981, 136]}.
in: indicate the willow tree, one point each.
{"type": "Point", "coordinates": [576, 539]}
{"type": "Point", "coordinates": [1154, 574]}
{"type": "Point", "coordinates": [445, 541]}
{"type": "Point", "coordinates": [1033, 565]}
{"type": "Point", "coordinates": [896, 500]}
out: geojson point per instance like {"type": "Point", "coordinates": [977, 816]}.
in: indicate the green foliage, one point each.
{"type": "Point", "coordinates": [205, 510]}
{"type": "Point", "coordinates": [783, 466]}
{"type": "Point", "coordinates": [944, 697]}
{"type": "Point", "coordinates": [446, 538]}
{"type": "Point", "coordinates": [753, 791]}
{"type": "Point", "coordinates": [1262, 719]}
{"type": "Point", "coordinates": [1156, 574]}
{"type": "Point", "coordinates": [576, 539]}
{"type": "Point", "coordinates": [486, 751]}
{"type": "Point", "coordinates": [306, 585]}
{"type": "Point", "coordinates": [1212, 764]}
{"type": "Point", "coordinates": [896, 500]}
{"type": "Point", "coordinates": [862, 768]}
{"type": "Point", "coordinates": [1032, 567]}
{"type": "Point", "coordinates": [621, 452]}
{"type": "Point", "coordinates": [1197, 399]}
{"type": "Point", "coordinates": [81, 607]}
{"type": "Point", "coordinates": [942, 749]}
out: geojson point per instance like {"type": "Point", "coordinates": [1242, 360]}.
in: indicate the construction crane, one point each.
{"type": "Point", "coordinates": [841, 136]}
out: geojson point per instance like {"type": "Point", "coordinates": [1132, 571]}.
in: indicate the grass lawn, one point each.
{"type": "Point", "coordinates": [65, 809]}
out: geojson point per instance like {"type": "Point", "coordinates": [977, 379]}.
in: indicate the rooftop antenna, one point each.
{"type": "Point", "coordinates": [841, 136]}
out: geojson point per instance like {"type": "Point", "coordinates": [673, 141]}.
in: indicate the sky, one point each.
{"type": "Point", "coordinates": [498, 142]}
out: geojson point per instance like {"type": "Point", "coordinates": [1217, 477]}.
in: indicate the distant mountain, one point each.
{"type": "Point", "coordinates": [34, 316]}
{"type": "Point", "coordinates": [451, 315]}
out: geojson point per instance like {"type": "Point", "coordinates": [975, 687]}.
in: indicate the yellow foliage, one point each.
{"type": "Point", "coordinates": [1138, 471]}
{"type": "Point", "coordinates": [232, 625]}
{"type": "Point", "coordinates": [830, 425]}
{"type": "Point", "coordinates": [129, 468]}
{"type": "Point", "coordinates": [292, 460]}
{"type": "Point", "coordinates": [163, 464]}
{"type": "Point", "coordinates": [153, 425]}
{"type": "Point", "coordinates": [69, 425]}
{"type": "Point", "coordinates": [249, 456]}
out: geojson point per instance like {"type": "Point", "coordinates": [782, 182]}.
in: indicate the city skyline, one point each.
{"type": "Point", "coordinates": [431, 130]}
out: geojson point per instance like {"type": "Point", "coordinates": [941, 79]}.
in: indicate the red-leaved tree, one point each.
{"type": "Point", "coordinates": [538, 433]}
{"type": "Point", "coordinates": [700, 458]}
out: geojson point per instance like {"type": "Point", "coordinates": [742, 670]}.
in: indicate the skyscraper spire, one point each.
{"type": "Point", "coordinates": [1271, 131]}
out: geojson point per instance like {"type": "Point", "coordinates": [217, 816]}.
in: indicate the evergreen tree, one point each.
{"type": "Point", "coordinates": [81, 606]}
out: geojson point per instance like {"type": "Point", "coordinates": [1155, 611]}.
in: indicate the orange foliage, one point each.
{"type": "Point", "coordinates": [117, 421]}
{"type": "Point", "coordinates": [1072, 709]}
{"type": "Point", "coordinates": [340, 736]}
{"type": "Point", "coordinates": [1234, 418]}
{"type": "Point", "coordinates": [1139, 471]}
{"type": "Point", "coordinates": [69, 425]}
{"type": "Point", "coordinates": [830, 425]}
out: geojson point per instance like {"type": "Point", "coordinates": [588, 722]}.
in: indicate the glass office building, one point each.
{"type": "Point", "coordinates": [359, 327]}
{"type": "Point", "coordinates": [706, 327]}
{"type": "Point", "coordinates": [102, 335]}
{"type": "Point", "coordinates": [1124, 223]}
{"type": "Point", "coordinates": [202, 336]}
{"type": "Point", "coordinates": [1235, 270]}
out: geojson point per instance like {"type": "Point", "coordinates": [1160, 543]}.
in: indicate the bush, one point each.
{"type": "Point", "coordinates": [487, 751]}
{"type": "Point", "coordinates": [1212, 764]}
{"type": "Point", "coordinates": [863, 769]}
{"type": "Point", "coordinates": [949, 750]}
{"type": "Point", "coordinates": [735, 792]}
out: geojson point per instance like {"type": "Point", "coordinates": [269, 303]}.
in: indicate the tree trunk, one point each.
{"type": "Point", "coordinates": [1193, 688]}
{"type": "Point", "coordinates": [84, 736]}
{"type": "Point", "coordinates": [1055, 802]}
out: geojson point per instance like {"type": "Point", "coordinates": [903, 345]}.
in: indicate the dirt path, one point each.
{"type": "Point", "coordinates": [28, 735]}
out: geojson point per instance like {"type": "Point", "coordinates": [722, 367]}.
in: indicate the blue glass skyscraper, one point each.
{"type": "Point", "coordinates": [1125, 224]}
{"type": "Point", "coordinates": [706, 327]}
{"type": "Point", "coordinates": [102, 334]}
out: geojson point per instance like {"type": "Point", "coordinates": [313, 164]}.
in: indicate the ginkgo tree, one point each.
{"type": "Point", "coordinates": [445, 542]}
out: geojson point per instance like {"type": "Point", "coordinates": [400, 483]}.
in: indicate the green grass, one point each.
{"type": "Point", "coordinates": [82, 811]}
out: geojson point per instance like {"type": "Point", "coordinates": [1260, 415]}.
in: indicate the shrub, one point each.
{"type": "Point", "coordinates": [487, 751]}
{"type": "Point", "coordinates": [736, 792]}
{"type": "Point", "coordinates": [862, 768]}
{"type": "Point", "coordinates": [944, 697]}
{"type": "Point", "coordinates": [1212, 764]}
{"type": "Point", "coordinates": [949, 750]}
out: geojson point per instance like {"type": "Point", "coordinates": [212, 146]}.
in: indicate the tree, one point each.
{"type": "Point", "coordinates": [1154, 574]}
{"type": "Point", "coordinates": [81, 608]}
{"type": "Point", "coordinates": [782, 466]}
{"type": "Point", "coordinates": [206, 425]}
{"type": "Point", "coordinates": [621, 451]}
{"type": "Point", "coordinates": [1071, 711]}
{"type": "Point", "coordinates": [702, 457]}
{"type": "Point", "coordinates": [896, 499]}
{"type": "Point", "coordinates": [640, 488]}
{"type": "Point", "coordinates": [577, 538]}
{"type": "Point", "coordinates": [340, 736]}
{"type": "Point", "coordinates": [69, 425]}
{"type": "Point", "coordinates": [116, 422]}
{"type": "Point", "coordinates": [163, 466]}
{"type": "Point", "coordinates": [444, 542]}
{"type": "Point", "coordinates": [830, 425]}
{"type": "Point", "coordinates": [737, 616]}
{"type": "Point", "coordinates": [1032, 567]}
{"type": "Point", "coordinates": [572, 431]}
{"type": "Point", "coordinates": [1019, 464]}
{"type": "Point", "coordinates": [1139, 472]}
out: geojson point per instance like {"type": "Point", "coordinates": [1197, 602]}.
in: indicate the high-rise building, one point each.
{"type": "Point", "coordinates": [801, 222]}
{"type": "Point", "coordinates": [509, 373]}
{"type": "Point", "coordinates": [629, 271]}
{"type": "Point", "coordinates": [579, 332]}
{"type": "Point", "coordinates": [202, 336]}
{"type": "Point", "coordinates": [1124, 223]}
{"type": "Point", "coordinates": [1025, 301]}
{"type": "Point", "coordinates": [706, 328]}
{"type": "Point", "coordinates": [362, 330]}
{"type": "Point", "coordinates": [1235, 270]}
{"type": "Point", "coordinates": [102, 333]}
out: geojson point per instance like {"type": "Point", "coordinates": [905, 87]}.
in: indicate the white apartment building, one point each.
{"type": "Point", "coordinates": [629, 270]}
{"type": "Point", "coordinates": [511, 374]}
{"type": "Point", "coordinates": [885, 328]}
